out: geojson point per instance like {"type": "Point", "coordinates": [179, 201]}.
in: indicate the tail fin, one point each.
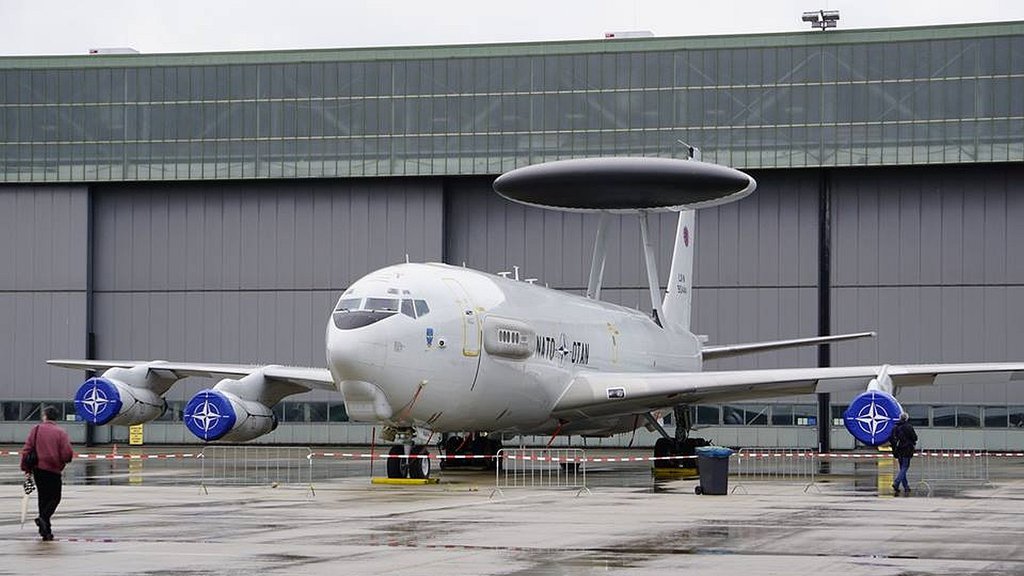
{"type": "Point", "coordinates": [676, 304]}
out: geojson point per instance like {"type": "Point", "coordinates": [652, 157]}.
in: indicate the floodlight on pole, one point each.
{"type": "Point", "coordinates": [821, 19]}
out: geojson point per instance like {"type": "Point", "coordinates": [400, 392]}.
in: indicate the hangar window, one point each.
{"type": "Point", "coordinates": [996, 416]}
{"type": "Point", "coordinates": [944, 416]}
{"type": "Point", "coordinates": [708, 415]}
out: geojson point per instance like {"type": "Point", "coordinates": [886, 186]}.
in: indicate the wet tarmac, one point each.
{"type": "Point", "coordinates": [162, 517]}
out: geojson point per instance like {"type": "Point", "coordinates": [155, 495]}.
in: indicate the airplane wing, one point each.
{"type": "Point", "coordinates": [310, 378]}
{"type": "Point", "coordinates": [592, 394]}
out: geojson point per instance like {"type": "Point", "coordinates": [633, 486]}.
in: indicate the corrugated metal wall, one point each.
{"type": "Point", "coordinates": [233, 272]}
{"type": "Point", "coordinates": [43, 261]}
{"type": "Point", "coordinates": [230, 272]}
{"type": "Point", "coordinates": [932, 259]}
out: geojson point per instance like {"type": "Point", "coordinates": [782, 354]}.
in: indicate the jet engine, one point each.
{"type": "Point", "coordinates": [234, 410]}
{"type": "Point", "coordinates": [871, 416]}
{"type": "Point", "coordinates": [122, 397]}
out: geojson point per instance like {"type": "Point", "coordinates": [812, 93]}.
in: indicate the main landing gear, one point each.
{"type": "Point", "coordinates": [473, 451]}
{"type": "Point", "coordinates": [679, 445]}
{"type": "Point", "coordinates": [408, 459]}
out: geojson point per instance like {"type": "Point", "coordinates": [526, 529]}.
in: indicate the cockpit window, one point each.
{"type": "Point", "coordinates": [346, 320]}
{"type": "Point", "coordinates": [381, 304]}
{"type": "Point", "coordinates": [352, 312]}
{"type": "Point", "coordinates": [407, 308]}
{"type": "Point", "coordinates": [422, 308]}
{"type": "Point", "coordinates": [346, 304]}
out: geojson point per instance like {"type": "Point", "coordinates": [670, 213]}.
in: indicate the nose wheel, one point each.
{"type": "Point", "coordinates": [408, 461]}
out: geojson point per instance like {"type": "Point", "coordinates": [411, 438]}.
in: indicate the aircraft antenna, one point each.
{"type": "Point", "coordinates": [652, 271]}
{"type": "Point", "coordinates": [515, 273]}
{"type": "Point", "coordinates": [600, 255]}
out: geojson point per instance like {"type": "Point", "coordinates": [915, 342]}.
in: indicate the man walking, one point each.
{"type": "Point", "coordinates": [53, 452]}
{"type": "Point", "coordinates": [903, 442]}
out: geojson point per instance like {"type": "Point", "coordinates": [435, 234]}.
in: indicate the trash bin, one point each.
{"type": "Point", "coordinates": [713, 467]}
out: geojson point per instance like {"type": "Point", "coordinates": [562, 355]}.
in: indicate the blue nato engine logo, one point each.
{"type": "Point", "coordinates": [209, 415]}
{"type": "Point", "coordinates": [97, 401]}
{"type": "Point", "coordinates": [430, 337]}
{"type": "Point", "coordinates": [871, 417]}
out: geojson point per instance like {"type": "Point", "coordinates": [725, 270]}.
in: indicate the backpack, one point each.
{"type": "Point", "coordinates": [30, 459]}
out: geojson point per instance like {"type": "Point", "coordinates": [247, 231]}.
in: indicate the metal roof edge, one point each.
{"type": "Point", "coordinates": [561, 47]}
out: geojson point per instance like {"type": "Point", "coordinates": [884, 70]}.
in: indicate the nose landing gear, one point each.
{"type": "Point", "coordinates": [408, 459]}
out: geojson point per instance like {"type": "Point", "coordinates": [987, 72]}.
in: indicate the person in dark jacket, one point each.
{"type": "Point", "coordinates": [903, 442]}
{"type": "Point", "coordinates": [53, 450]}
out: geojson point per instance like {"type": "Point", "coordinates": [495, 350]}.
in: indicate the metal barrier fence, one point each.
{"type": "Point", "coordinates": [541, 468]}
{"type": "Point", "coordinates": [932, 472]}
{"type": "Point", "coordinates": [792, 464]}
{"type": "Point", "coordinates": [950, 471]}
{"type": "Point", "coordinates": [256, 466]}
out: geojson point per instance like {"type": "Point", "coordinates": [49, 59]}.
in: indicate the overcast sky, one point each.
{"type": "Point", "coordinates": [75, 26]}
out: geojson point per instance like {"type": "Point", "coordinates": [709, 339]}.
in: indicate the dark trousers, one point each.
{"type": "Point", "coordinates": [48, 486]}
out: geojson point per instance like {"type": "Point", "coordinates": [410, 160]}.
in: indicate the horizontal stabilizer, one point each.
{"type": "Point", "coordinates": [712, 352]}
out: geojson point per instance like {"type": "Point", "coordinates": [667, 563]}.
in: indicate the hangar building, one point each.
{"type": "Point", "coordinates": [212, 207]}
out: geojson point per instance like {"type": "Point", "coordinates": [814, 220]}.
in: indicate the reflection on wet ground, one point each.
{"type": "Point", "coordinates": [174, 466]}
{"type": "Point", "coordinates": [148, 517]}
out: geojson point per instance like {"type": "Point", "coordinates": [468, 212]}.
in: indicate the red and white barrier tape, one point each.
{"type": "Point", "coordinates": [540, 458]}
{"type": "Point", "coordinates": [123, 456]}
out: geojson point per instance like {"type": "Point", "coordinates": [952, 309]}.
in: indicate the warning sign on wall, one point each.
{"type": "Point", "coordinates": [135, 435]}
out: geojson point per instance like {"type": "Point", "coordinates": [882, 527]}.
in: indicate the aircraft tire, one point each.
{"type": "Point", "coordinates": [397, 466]}
{"type": "Point", "coordinates": [665, 447]}
{"type": "Point", "coordinates": [419, 467]}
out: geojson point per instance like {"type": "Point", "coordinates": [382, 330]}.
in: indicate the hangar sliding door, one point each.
{"type": "Point", "coordinates": [43, 286]}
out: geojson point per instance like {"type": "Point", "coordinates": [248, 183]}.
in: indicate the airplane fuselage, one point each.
{"type": "Point", "coordinates": [454, 349]}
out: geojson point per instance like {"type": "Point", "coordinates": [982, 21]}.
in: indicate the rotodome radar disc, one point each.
{"type": "Point", "coordinates": [624, 184]}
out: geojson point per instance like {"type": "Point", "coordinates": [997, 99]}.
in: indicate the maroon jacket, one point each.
{"type": "Point", "coordinates": [52, 446]}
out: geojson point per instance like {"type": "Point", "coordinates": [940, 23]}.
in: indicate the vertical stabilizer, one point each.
{"type": "Point", "coordinates": [676, 305]}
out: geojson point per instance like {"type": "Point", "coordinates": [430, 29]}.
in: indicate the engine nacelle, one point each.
{"type": "Point", "coordinates": [218, 415]}
{"type": "Point", "coordinates": [871, 416]}
{"type": "Point", "coordinates": [106, 400]}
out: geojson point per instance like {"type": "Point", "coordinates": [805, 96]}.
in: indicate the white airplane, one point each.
{"type": "Point", "coordinates": [457, 351]}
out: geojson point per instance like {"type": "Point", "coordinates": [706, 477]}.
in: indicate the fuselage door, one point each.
{"type": "Point", "coordinates": [470, 318]}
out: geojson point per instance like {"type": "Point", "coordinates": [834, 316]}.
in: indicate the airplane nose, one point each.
{"type": "Point", "coordinates": [357, 354]}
